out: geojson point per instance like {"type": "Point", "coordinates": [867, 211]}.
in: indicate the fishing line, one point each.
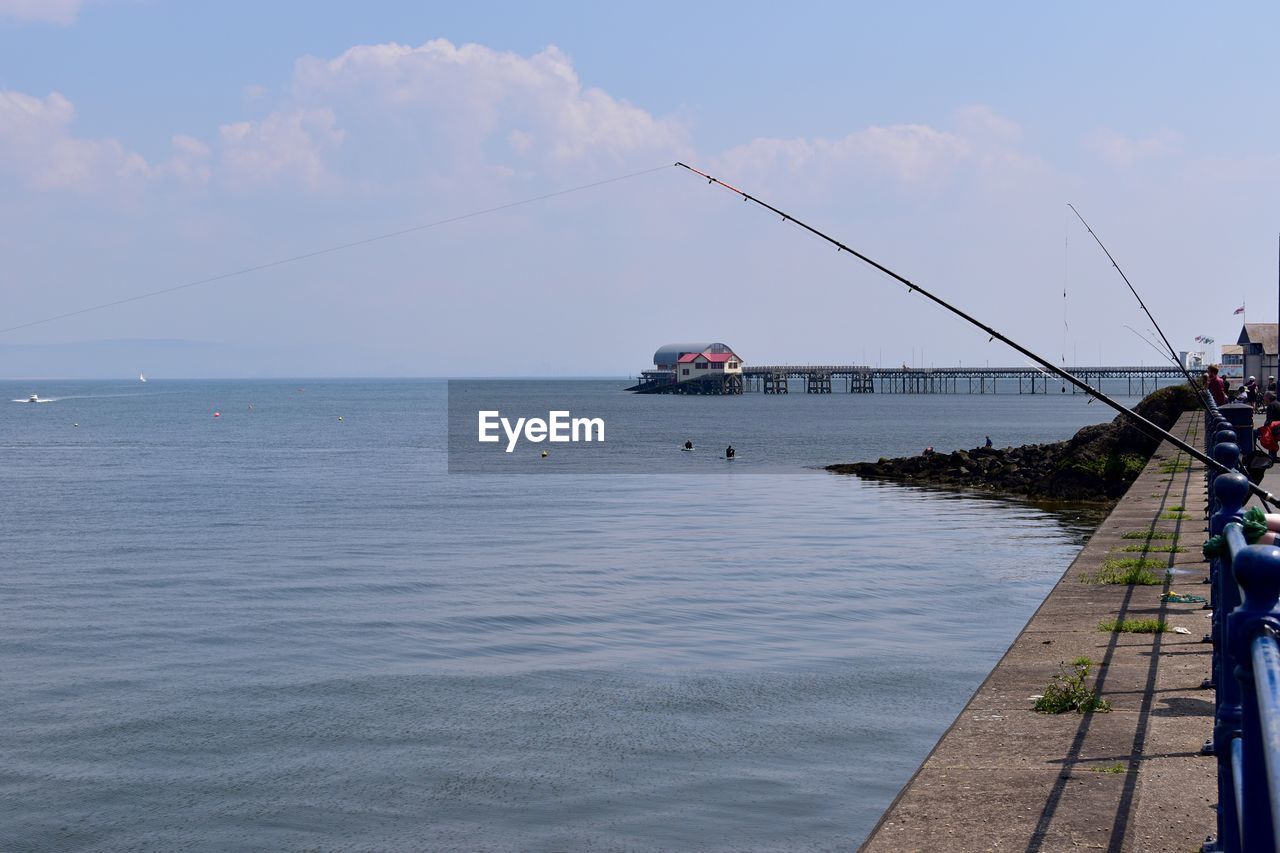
{"type": "Point", "coordinates": [1066, 279]}
{"type": "Point", "coordinates": [331, 249]}
{"type": "Point", "coordinates": [1146, 340]}
{"type": "Point", "coordinates": [1151, 429]}
{"type": "Point", "coordinates": [1173, 354]}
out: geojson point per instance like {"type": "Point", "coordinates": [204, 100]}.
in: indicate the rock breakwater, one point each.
{"type": "Point", "coordinates": [1098, 463]}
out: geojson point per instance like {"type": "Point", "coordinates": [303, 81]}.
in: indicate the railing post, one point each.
{"type": "Point", "coordinates": [1232, 491]}
{"type": "Point", "coordinates": [1257, 570]}
{"type": "Point", "coordinates": [1240, 416]}
{"type": "Point", "coordinates": [1228, 454]}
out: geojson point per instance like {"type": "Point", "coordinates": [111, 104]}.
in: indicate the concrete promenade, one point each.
{"type": "Point", "coordinates": [1005, 777]}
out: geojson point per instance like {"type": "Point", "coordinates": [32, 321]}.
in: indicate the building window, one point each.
{"type": "Point", "coordinates": [733, 365]}
{"type": "Point", "coordinates": [685, 371]}
{"type": "Point", "coordinates": [701, 365]}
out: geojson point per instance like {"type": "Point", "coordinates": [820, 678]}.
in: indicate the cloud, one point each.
{"type": "Point", "coordinates": [189, 163]}
{"type": "Point", "coordinates": [380, 118]}
{"type": "Point", "coordinates": [907, 155]}
{"type": "Point", "coordinates": [979, 121]}
{"type": "Point", "coordinates": [472, 105]}
{"type": "Point", "coordinates": [38, 149]}
{"type": "Point", "coordinates": [1122, 151]}
{"type": "Point", "coordinates": [62, 12]}
{"type": "Point", "coordinates": [284, 147]}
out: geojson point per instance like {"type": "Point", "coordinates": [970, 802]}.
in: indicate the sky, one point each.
{"type": "Point", "coordinates": [147, 144]}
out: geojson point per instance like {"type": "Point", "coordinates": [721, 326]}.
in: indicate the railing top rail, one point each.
{"type": "Point", "coordinates": [1266, 673]}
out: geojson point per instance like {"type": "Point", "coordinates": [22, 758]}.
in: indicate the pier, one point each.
{"type": "Point", "coordinates": [714, 368]}
{"type": "Point", "coordinates": [863, 379]}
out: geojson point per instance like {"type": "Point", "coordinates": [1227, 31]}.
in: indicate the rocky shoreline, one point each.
{"type": "Point", "coordinates": [1097, 464]}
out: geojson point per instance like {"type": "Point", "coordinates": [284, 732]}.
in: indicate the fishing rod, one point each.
{"type": "Point", "coordinates": [1173, 354]}
{"type": "Point", "coordinates": [1151, 429]}
{"type": "Point", "coordinates": [1203, 392]}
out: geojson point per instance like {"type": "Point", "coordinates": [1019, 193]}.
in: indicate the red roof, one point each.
{"type": "Point", "coordinates": [713, 357]}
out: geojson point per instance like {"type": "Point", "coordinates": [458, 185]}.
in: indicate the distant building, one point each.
{"type": "Point", "coordinates": [712, 367]}
{"type": "Point", "coordinates": [1233, 362]}
{"type": "Point", "coordinates": [1258, 350]}
{"type": "Point", "coordinates": [684, 362]}
{"type": "Point", "coordinates": [695, 365]}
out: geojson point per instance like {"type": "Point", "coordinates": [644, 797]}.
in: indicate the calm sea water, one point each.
{"type": "Point", "coordinates": [276, 629]}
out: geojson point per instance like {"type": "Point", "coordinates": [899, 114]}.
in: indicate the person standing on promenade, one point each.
{"type": "Point", "coordinates": [1270, 419]}
{"type": "Point", "coordinates": [1271, 384]}
{"type": "Point", "coordinates": [1251, 395]}
{"type": "Point", "coordinates": [1216, 388]}
{"type": "Point", "coordinates": [1272, 412]}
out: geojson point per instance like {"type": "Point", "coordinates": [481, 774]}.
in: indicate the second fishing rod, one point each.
{"type": "Point", "coordinates": [1151, 429]}
{"type": "Point", "coordinates": [1172, 354]}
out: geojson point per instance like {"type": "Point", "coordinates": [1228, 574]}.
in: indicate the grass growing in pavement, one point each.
{"type": "Point", "coordinates": [1127, 571]}
{"type": "Point", "coordinates": [1119, 563]}
{"type": "Point", "coordinates": [1173, 516]}
{"type": "Point", "coordinates": [1149, 534]}
{"type": "Point", "coordinates": [1133, 626]}
{"type": "Point", "coordinates": [1070, 691]}
{"type": "Point", "coordinates": [1155, 548]}
{"type": "Point", "coordinates": [1118, 767]}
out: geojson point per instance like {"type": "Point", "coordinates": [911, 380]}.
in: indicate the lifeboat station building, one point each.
{"type": "Point", "coordinates": [1256, 353]}
{"type": "Point", "coordinates": [696, 368]}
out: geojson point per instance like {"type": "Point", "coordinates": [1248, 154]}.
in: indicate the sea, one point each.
{"type": "Point", "coordinates": [264, 615]}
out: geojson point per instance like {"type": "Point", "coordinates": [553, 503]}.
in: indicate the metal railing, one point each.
{"type": "Point", "coordinates": [1245, 600]}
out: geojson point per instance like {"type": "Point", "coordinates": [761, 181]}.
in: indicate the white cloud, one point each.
{"type": "Point", "coordinates": [915, 156]}
{"type": "Point", "coordinates": [38, 148]}
{"type": "Point", "coordinates": [457, 100]}
{"type": "Point", "coordinates": [189, 163]}
{"type": "Point", "coordinates": [62, 12]}
{"type": "Point", "coordinates": [283, 147]}
{"type": "Point", "coordinates": [979, 121]}
{"type": "Point", "coordinates": [1123, 151]}
{"type": "Point", "coordinates": [909, 153]}
{"type": "Point", "coordinates": [377, 118]}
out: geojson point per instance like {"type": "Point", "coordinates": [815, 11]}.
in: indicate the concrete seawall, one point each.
{"type": "Point", "coordinates": [1005, 777]}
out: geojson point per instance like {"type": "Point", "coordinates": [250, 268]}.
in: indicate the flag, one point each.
{"type": "Point", "coordinates": [1206, 340]}
{"type": "Point", "coordinates": [1199, 338]}
{"type": "Point", "coordinates": [1239, 310]}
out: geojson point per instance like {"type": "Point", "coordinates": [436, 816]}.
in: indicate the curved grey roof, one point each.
{"type": "Point", "coordinates": [670, 353]}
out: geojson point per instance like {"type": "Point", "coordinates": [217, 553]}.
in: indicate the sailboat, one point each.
{"type": "Point", "coordinates": [142, 377]}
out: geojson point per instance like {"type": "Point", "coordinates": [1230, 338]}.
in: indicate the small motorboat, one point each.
{"type": "Point", "coordinates": [33, 399]}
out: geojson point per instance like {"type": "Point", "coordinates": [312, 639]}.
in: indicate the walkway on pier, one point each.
{"type": "Point", "coordinates": [863, 379]}
{"type": "Point", "coordinates": [1005, 777]}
